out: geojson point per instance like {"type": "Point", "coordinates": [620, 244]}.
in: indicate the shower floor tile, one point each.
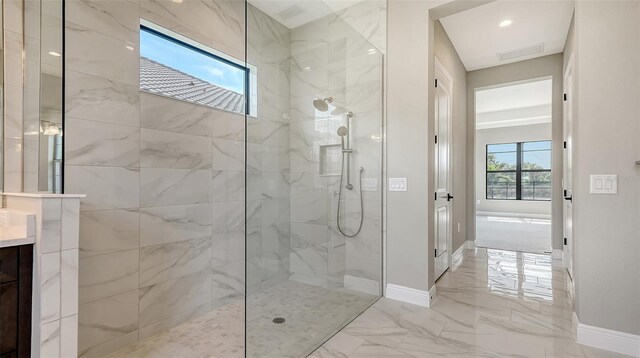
{"type": "Point", "coordinates": [312, 314]}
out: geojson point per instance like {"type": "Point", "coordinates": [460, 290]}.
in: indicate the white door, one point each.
{"type": "Point", "coordinates": [443, 195]}
{"type": "Point", "coordinates": [567, 185]}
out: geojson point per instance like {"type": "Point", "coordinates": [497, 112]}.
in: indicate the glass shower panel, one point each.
{"type": "Point", "coordinates": [314, 176]}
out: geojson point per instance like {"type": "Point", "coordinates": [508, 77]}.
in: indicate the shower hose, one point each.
{"type": "Point", "coordinates": [361, 170]}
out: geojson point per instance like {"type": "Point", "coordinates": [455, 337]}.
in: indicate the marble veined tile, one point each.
{"type": "Point", "coordinates": [228, 280]}
{"type": "Point", "coordinates": [49, 287]}
{"type": "Point", "coordinates": [164, 262]}
{"type": "Point", "coordinates": [168, 224]}
{"type": "Point", "coordinates": [161, 300]}
{"type": "Point", "coordinates": [101, 99]}
{"type": "Point", "coordinates": [119, 18]}
{"type": "Point", "coordinates": [227, 185]}
{"type": "Point", "coordinates": [99, 55]}
{"type": "Point", "coordinates": [168, 114]}
{"type": "Point", "coordinates": [107, 275]}
{"type": "Point", "coordinates": [227, 125]}
{"type": "Point", "coordinates": [106, 319]}
{"type": "Point", "coordinates": [101, 144]}
{"type": "Point", "coordinates": [105, 187]}
{"type": "Point", "coordinates": [469, 318]}
{"type": "Point", "coordinates": [50, 339]}
{"type": "Point", "coordinates": [228, 155]}
{"type": "Point", "coordinates": [227, 248]}
{"type": "Point", "coordinates": [69, 282]}
{"type": "Point", "coordinates": [160, 187]}
{"type": "Point", "coordinates": [107, 231]}
{"type": "Point", "coordinates": [228, 217]}
{"type": "Point", "coordinates": [162, 149]}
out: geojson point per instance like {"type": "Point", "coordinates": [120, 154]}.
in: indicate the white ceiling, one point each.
{"type": "Point", "coordinates": [514, 105]}
{"type": "Point", "coordinates": [311, 9]}
{"type": "Point", "coordinates": [478, 39]}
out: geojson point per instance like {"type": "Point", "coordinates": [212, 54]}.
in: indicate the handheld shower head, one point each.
{"type": "Point", "coordinates": [322, 105]}
{"type": "Point", "coordinates": [343, 131]}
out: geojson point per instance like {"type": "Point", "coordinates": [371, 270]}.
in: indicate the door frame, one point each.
{"type": "Point", "coordinates": [474, 167]}
{"type": "Point", "coordinates": [439, 67]}
{"type": "Point", "coordinates": [568, 263]}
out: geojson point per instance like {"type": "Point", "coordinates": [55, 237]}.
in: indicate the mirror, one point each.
{"type": "Point", "coordinates": [43, 96]}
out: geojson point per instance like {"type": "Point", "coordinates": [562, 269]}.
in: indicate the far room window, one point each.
{"type": "Point", "coordinates": [519, 171]}
{"type": "Point", "coordinates": [174, 66]}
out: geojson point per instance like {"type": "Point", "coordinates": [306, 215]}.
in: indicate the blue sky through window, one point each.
{"type": "Point", "coordinates": [192, 62]}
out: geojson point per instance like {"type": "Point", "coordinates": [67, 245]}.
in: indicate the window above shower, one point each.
{"type": "Point", "coordinates": [175, 66]}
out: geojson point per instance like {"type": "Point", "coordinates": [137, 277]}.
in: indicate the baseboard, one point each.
{"type": "Point", "coordinates": [362, 284]}
{"type": "Point", "coordinates": [458, 253]}
{"type": "Point", "coordinates": [471, 244]}
{"type": "Point", "coordinates": [607, 339]}
{"type": "Point", "coordinates": [410, 295]}
{"type": "Point", "coordinates": [556, 254]}
{"type": "Point", "coordinates": [513, 215]}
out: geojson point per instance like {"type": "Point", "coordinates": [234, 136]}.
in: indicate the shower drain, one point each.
{"type": "Point", "coordinates": [278, 320]}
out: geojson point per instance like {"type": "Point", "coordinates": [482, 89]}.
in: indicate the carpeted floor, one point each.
{"type": "Point", "coordinates": [514, 234]}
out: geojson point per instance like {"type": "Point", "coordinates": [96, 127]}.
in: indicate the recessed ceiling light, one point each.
{"type": "Point", "coordinates": [505, 23]}
{"type": "Point", "coordinates": [130, 48]}
{"type": "Point", "coordinates": [307, 69]}
{"type": "Point", "coordinates": [53, 53]}
{"type": "Point", "coordinates": [177, 1]}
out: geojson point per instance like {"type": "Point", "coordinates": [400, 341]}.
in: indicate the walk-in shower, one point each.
{"type": "Point", "coordinates": [313, 231]}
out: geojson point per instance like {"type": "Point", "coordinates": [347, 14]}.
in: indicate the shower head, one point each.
{"type": "Point", "coordinates": [322, 105]}
{"type": "Point", "coordinates": [343, 131]}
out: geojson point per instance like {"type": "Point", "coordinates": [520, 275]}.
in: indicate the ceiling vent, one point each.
{"type": "Point", "coordinates": [523, 52]}
{"type": "Point", "coordinates": [290, 12]}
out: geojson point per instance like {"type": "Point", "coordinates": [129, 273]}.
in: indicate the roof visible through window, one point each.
{"type": "Point", "coordinates": [176, 69]}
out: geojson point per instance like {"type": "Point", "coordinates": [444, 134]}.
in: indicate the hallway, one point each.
{"type": "Point", "coordinates": [491, 303]}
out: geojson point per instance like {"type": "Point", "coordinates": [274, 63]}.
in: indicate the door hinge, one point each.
{"type": "Point", "coordinates": [565, 240]}
{"type": "Point", "coordinates": [436, 82]}
{"type": "Point", "coordinates": [435, 196]}
{"type": "Point", "coordinates": [564, 97]}
{"type": "Point", "coordinates": [435, 252]}
{"type": "Point", "coordinates": [564, 144]}
{"type": "Point", "coordinates": [436, 139]}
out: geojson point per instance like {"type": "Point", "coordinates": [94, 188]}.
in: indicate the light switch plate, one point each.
{"type": "Point", "coordinates": [397, 184]}
{"type": "Point", "coordinates": [603, 184]}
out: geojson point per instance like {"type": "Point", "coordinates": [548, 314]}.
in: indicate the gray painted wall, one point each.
{"type": "Point", "coordinates": [524, 70]}
{"type": "Point", "coordinates": [446, 53]}
{"type": "Point", "coordinates": [409, 75]}
{"type": "Point", "coordinates": [607, 227]}
{"type": "Point", "coordinates": [528, 133]}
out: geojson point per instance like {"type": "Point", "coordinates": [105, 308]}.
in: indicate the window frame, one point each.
{"type": "Point", "coordinates": [518, 170]}
{"type": "Point", "coordinates": [155, 30]}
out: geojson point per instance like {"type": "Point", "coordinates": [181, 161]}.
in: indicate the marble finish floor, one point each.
{"type": "Point", "coordinates": [491, 303]}
{"type": "Point", "coordinates": [312, 315]}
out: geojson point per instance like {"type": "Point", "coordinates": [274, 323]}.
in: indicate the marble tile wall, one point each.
{"type": "Point", "coordinates": [162, 226]}
{"type": "Point", "coordinates": [268, 154]}
{"type": "Point", "coordinates": [339, 56]}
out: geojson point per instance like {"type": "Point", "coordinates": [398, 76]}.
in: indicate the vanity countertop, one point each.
{"type": "Point", "coordinates": [14, 236]}
{"type": "Point", "coordinates": [16, 228]}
